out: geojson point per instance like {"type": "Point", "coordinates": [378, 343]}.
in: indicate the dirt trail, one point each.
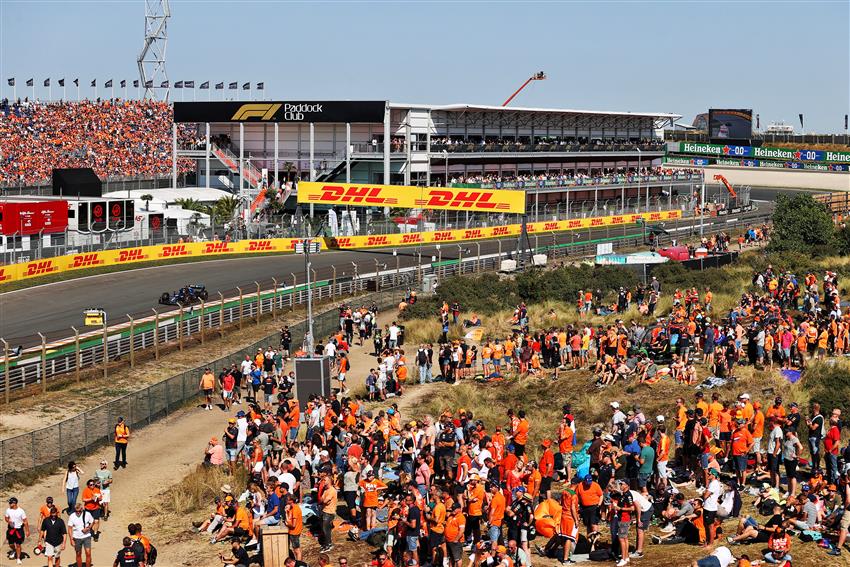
{"type": "Point", "coordinates": [160, 456]}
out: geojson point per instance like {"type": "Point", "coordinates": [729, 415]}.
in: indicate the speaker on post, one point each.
{"type": "Point", "coordinates": [77, 182]}
{"type": "Point", "coordinates": [312, 378]}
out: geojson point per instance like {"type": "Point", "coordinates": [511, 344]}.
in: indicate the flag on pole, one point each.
{"type": "Point", "coordinates": [189, 84]}
{"type": "Point", "coordinates": [261, 86]}
{"type": "Point", "coordinates": [178, 84]}
{"type": "Point", "coordinates": [246, 86]}
{"type": "Point", "coordinates": [123, 83]}
{"type": "Point", "coordinates": [219, 86]}
{"type": "Point", "coordinates": [46, 82]}
{"type": "Point", "coordinates": [94, 82]}
{"type": "Point", "coordinates": [149, 84]}
{"type": "Point", "coordinates": [61, 82]}
{"type": "Point", "coordinates": [205, 85]}
{"type": "Point", "coordinates": [108, 84]}
{"type": "Point", "coordinates": [76, 82]}
{"type": "Point", "coordinates": [163, 85]}
{"type": "Point", "coordinates": [801, 119]}
{"type": "Point", "coordinates": [136, 84]}
{"type": "Point", "coordinates": [232, 86]}
{"type": "Point", "coordinates": [30, 82]}
{"type": "Point", "coordinates": [11, 82]}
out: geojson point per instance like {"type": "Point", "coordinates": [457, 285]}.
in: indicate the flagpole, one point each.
{"type": "Point", "coordinates": [113, 90]}
{"type": "Point", "coordinates": [95, 90]}
{"type": "Point", "coordinates": [125, 91]}
{"type": "Point", "coordinates": [64, 96]}
{"type": "Point", "coordinates": [33, 90]}
{"type": "Point", "coordinates": [49, 91]}
{"type": "Point", "coordinates": [78, 91]}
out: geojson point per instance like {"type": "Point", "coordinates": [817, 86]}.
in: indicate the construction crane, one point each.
{"type": "Point", "coordinates": [728, 185]}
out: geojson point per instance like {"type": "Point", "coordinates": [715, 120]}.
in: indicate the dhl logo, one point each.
{"type": "Point", "coordinates": [337, 194]}
{"type": "Point", "coordinates": [462, 199]}
{"type": "Point", "coordinates": [532, 227]}
{"type": "Point", "coordinates": [473, 233]}
{"type": "Point", "coordinates": [634, 218]}
{"type": "Point", "coordinates": [597, 222]}
{"type": "Point", "coordinates": [131, 255]}
{"type": "Point", "coordinates": [173, 251]}
{"type": "Point", "coordinates": [86, 260]}
{"type": "Point", "coordinates": [4, 275]}
{"type": "Point", "coordinates": [672, 214]}
{"type": "Point", "coordinates": [40, 268]}
{"type": "Point", "coordinates": [261, 246]}
{"type": "Point", "coordinates": [655, 216]}
{"type": "Point", "coordinates": [444, 236]}
{"type": "Point", "coordinates": [501, 231]}
{"type": "Point", "coordinates": [414, 238]}
{"type": "Point", "coordinates": [261, 111]}
{"type": "Point", "coordinates": [217, 248]}
{"type": "Point", "coordinates": [343, 242]}
{"type": "Point", "coordinates": [574, 223]}
{"type": "Point", "coordinates": [617, 220]}
{"type": "Point", "coordinates": [550, 226]}
{"type": "Point", "coordinates": [377, 241]}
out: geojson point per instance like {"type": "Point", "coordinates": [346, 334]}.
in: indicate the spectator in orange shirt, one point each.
{"type": "Point", "coordinates": [496, 513]}
{"type": "Point", "coordinates": [520, 437]}
{"type": "Point", "coordinates": [589, 495]}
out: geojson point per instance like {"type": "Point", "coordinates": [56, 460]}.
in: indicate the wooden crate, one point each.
{"type": "Point", "coordinates": [275, 542]}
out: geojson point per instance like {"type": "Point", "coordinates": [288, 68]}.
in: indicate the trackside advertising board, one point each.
{"type": "Point", "coordinates": [72, 262]}
{"type": "Point", "coordinates": [405, 197]}
{"type": "Point", "coordinates": [733, 151]}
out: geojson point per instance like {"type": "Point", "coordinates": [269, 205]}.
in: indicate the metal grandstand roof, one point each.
{"type": "Point", "coordinates": [483, 107]}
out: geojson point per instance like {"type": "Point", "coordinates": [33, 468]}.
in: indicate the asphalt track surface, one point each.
{"type": "Point", "coordinates": [53, 308]}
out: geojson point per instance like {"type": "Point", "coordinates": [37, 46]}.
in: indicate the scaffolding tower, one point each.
{"type": "Point", "coordinates": [151, 60]}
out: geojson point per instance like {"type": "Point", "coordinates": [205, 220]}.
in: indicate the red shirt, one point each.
{"type": "Point", "coordinates": [832, 441]}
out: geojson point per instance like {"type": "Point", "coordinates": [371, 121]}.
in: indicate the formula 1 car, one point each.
{"type": "Point", "coordinates": [185, 295]}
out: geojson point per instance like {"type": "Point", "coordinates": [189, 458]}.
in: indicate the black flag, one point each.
{"type": "Point", "coordinates": [845, 121]}
{"type": "Point", "coordinates": [149, 84]}
{"type": "Point", "coordinates": [261, 86]}
{"type": "Point", "coordinates": [758, 123]}
{"type": "Point", "coordinates": [246, 86]}
{"type": "Point", "coordinates": [11, 82]}
{"type": "Point", "coordinates": [94, 82]}
{"type": "Point", "coordinates": [136, 84]}
{"type": "Point", "coordinates": [189, 84]}
{"type": "Point", "coordinates": [205, 85]}
{"type": "Point", "coordinates": [163, 85]}
{"type": "Point", "coordinates": [108, 84]}
{"type": "Point", "coordinates": [232, 86]}
{"type": "Point", "coordinates": [46, 82]}
{"type": "Point", "coordinates": [76, 82]}
{"type": "Point", "coordinates": [801, 120]}
{"type": "Point", "coordinates": [178, 84]}
{"type": "Point", "coordinates": [61, 82]}
{"type": "Point", "coordinates": [123, 83]}
{"type": "Point", "coordinates": [219, 86]}
{"type": "Point", "coordinates": [30, 83]}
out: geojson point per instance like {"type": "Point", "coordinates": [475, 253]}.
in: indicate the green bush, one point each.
{"type": "Point", "coordinates": [828, 383]}
{"type": "Point", "coordinates": [802, 224]}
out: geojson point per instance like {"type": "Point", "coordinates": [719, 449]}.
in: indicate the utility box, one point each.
{"type": "Point", "coordinates": [275, 544]}
{"type": "Point", "coordinates": [312, 378]}
{"type": "Point", "coordinates": [508, 266]}
{"type": "Point", "coordinates": [539, 260]}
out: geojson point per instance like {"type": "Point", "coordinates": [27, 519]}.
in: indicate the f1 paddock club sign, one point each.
{"type": "Point", "coordinates": [341, 111]}
{"type": "Point", "coordinates": [731, 151]}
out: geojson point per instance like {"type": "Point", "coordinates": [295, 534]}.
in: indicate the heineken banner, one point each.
{"type": "Point", "coordinates": [731, 151]}
{"type": "Point", "coordinates": [757, 163]}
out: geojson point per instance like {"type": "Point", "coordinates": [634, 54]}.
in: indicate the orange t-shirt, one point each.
{"type": "Point", "coordinates": [589, 495]}
{"type": "Point", "coordinates": [438, 518]}
{"type": "Point", "coordinates": [758, 424]}
{"type": "Point", "coordinates": [714, 409]}
{"type": "Point", "coordinates": [89, 495]}
{"type": "Point", "coordinates": [455, 527]}
{"type": "Point", "coordinates": [243, 519]}
{"type": "Point", "coordinates": [681, 417]}
{"type": "Point", "coordinates": [521, 435]}
{"type": "Point", "coordinates": [478, 494]}
{"type": "Point", "coordinates": [497, 509]}
{"type": "Point", "coordinates": [741, 441]}
{"type": "Point", "coordinates": [370, 492]}
{"type": "Point", "coordinates": [295, 521]}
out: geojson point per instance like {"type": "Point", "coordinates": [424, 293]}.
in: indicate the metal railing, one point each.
{"type": "Point", "coordinates": [476, 147]}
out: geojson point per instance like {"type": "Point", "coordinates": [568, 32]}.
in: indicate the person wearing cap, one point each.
{"type": "Point", "coordinates": [711, 502]}
{"type": "Point", "coordinates": [778, 546]}
{"type": "Point", "coordinates": [122, 437]}
{"type": "Point", "coordinates": [495, 513]}
{"type": "Point", "coordinates": [104, 479]}
{"type": "Point", "coordinates": [53, 535]}
{"type": "Point", "coordinates": [17, 528]}
{"type": "Point", "coordinates": [91, 501]}
{"type": "Point", "coordinates": [741, 443]}
{"type": "Point", "coordinates": [589, 498]}
{"type": "Point", "coordinates": [623, 506]}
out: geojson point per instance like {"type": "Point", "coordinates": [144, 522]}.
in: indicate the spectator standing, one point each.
{"type": "Point", "coordinates": [53, 535]}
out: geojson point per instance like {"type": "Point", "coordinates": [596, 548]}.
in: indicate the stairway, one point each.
{"type": "Point", "coordinates": [252, 175]}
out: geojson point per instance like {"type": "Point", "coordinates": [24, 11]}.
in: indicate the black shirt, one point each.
{"type": "Point", "coordinates": [447, 436]}
{"type": "Point", "coordinates": [792, 422]}
{"type": "Point", "coordinates": [241, 556]}
{"type": "Point", "coordinates": [127, 557]}
{"type": "Point", "coordinates": [625, 500]}
{"type": "Point", "coordinates": [269, 384]}
{"type": "Point", "coordinates": [414, 516]}
{"type": "Point", "coordinates": [55, 530]}
{"type": "Point", "coordinates": [228, 442]}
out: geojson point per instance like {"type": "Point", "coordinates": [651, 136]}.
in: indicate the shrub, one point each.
{"type": "Point", "coordinates": [828, 383]}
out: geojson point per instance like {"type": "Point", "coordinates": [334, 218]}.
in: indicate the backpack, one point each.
{"type": "Point", "coordinates": [422, 358]}
{"type": "Point", "coordinates": [696, 435]}
{"type": "Point", "coordinates": [151, 558]}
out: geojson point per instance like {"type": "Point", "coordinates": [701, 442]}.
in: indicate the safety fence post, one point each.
{"type": "Point", "coordinates": [180, 327]}
{"type": "Point", "coordinates": [132, 350]}
{"type": "Point", "coordinates": [292, 296]}
{"type": "Point", "coordinates": [6, 366]}
{"type": "Point", "coordinates": [259, 303]}
{"type": "Point", "coordinates": [105, 349]}
{"type": "Point", "coordinates": [155, 334]}
{"type": "Point", "coordinates": [240, 307]}
{"type": "Point", "coordinates": [221, 314]}
{"type": "Point", "coordinates": [274, 300]}
{"type": "Point", "coordinates": [201, 320]}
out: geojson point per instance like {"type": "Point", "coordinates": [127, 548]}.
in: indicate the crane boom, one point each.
{"type": "Point", "coordinates": [728, 185]}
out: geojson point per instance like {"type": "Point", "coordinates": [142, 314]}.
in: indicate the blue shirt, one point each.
{"type": "Point", "coordinates": [274, 502]}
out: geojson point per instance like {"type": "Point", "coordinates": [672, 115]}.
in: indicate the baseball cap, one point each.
{"type": "Point", "coordinates": [615, 405]}
{"type": "Point", "coordinates": [13, 500]}
{"type": "Point", "coordinates": [588, 478]}
{"type": "Point", "coordinates": [744, 396]}
{"type": "Point", "coordinates": [231, 420]}
{"type": "Point", "coordinates": [660, 419]}
{"type": "Point", "coordinates": [240, 413]}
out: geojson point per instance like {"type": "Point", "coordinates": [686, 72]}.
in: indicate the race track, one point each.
{"type": "Point", "coordinates": [52, 309]}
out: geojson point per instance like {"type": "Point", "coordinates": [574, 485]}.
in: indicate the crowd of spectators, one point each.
{"type": "Point", "coordinates": [114, 137]}
{"type": "Point", "coordinates": [541, 144]}
{"type": "Point", "coordinates": [568, 177]}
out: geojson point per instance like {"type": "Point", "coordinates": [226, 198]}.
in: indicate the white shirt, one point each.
{"type": "Point", "coordinates": [73, 480]}
{"type": "Point", "coordinates": [710, 504]}
{"type": "Point", "coordinates": [642, 501]}
{"type": "Point", "coordinates": [246, 367]}
{"type": "Point", "coordinates": [394, 333]}
{"type": "Point", "coordinates": [330, 349]}
{"type": "Point", "coordinates": [78, 523]}
{"type": "Point", "coordinates": [289, 480]}
{"type": "Point", "coordinates": [723, 555]}
{"type": "Point", "coordinates": [242, 424]}
{"type": "Point", "coordinates": [16, 517]}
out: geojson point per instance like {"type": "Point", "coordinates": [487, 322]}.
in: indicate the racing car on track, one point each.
{"type": "Point", "coordinates": [185, 295]}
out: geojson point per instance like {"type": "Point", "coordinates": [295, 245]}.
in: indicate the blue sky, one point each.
{"type": "Point", "coordinates": [779, 58]}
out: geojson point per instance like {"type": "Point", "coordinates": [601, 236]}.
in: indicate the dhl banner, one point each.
{"type": "Point", "coordinates": [87, 260]}
{"type": "Point", "coordinates": [443, 236]}
{"type": "Point", "coordinates": [405, 197]}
